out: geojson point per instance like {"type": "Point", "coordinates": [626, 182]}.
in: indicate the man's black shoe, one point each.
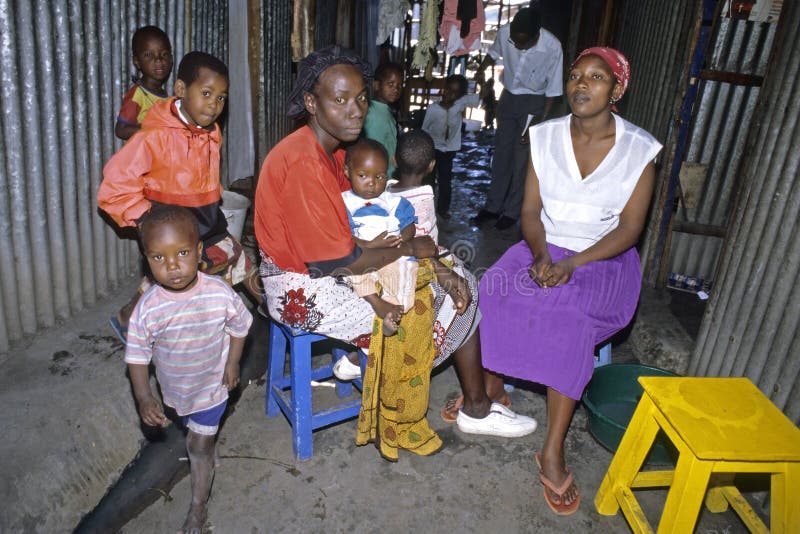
{"type": "Point", "coordinates": [483, 215]}
{"type": "Point", "coordinates": [504, 223]}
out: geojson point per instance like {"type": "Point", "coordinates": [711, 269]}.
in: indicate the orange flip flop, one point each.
{"type": "Point", "coordinates": [557, 504]}
{"type": "Point", "coordinates": [450, 415]}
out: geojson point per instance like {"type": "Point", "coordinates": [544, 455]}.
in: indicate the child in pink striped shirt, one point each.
{"type": "Point", "coordinates": [192, 326]}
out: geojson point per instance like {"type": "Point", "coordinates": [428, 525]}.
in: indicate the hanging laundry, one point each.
{"type": "Point", "coordinates": [391, 15]}
{"type": "Point", "coordinates": [428, 39]}
{"type": "Point", "coordinates": [453, 24]}
{"type": "Point", "coordinates": [467, 10]}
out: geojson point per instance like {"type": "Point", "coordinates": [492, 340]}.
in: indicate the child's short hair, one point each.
{"type": "Point", "coordinates": [189, 68]}
{"type": "Point", "coordinates": [415, 152]}
{"type": "Point", "coordinates": [144, 33]}
{"type": "Point", "coordinates": [460, 80]}
{"type": "Point", "coordinates": [365, 143]}
{"type": "Point", "coordinates": [385, 69]}
{"type": "Point", "coordinates": [167, 213]}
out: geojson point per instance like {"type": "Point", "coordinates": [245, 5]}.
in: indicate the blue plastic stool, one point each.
{"type": "Point", "coordinates": [603, 355]}
{"type": "Point", "coordinates": [297, 406]}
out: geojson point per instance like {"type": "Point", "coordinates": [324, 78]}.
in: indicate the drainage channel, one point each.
{"type": "Point", "coordinates": [158, 466]}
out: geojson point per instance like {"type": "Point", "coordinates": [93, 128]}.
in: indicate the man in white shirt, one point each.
{"type": "Point", "coordinates": [532, 79]}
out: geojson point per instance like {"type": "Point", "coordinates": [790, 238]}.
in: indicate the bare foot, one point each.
{"type": "Point", "coordinates": [195, 520]}
{"type": "Point", "coordinates": [390, 324]}
{"type": "Point", "coordinates": [390, 313]}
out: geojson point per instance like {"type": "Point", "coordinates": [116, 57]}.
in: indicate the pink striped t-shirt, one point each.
{"type": "Point", "coordinates": [187, 336]}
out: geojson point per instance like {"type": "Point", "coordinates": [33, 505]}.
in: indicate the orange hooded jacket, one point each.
{"type": "Point", "coordinates": [167, 162]}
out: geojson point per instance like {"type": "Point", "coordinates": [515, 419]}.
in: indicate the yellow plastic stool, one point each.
{"type": "Point", "coordinates": [720, 426]}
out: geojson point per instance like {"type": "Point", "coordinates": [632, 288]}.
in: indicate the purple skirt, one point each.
{"type": "Point", "coordinates": [548, 335]}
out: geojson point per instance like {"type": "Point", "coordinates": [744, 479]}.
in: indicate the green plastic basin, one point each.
{"type": "Point", "coordinates": [611, 398]}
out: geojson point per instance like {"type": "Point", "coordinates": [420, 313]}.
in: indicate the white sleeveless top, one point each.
{"type": "Point", "coordinates": [576, 212]}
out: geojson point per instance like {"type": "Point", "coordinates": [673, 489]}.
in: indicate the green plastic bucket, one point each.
{"type": "Point", "coordinates": [611, 398]}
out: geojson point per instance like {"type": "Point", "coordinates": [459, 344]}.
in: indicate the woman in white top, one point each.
{"type": "Point", "coordinates": [574, 280]}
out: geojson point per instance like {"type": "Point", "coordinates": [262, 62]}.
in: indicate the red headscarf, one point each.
{"type": "Point", "coordinates": [616, 61]}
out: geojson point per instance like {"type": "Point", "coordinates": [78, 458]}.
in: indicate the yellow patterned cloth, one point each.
{"type": "Point", "coordinates": [397, 380]}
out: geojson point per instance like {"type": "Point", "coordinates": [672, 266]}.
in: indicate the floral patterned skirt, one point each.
{"type": "Point", "coordinates": [329, 306]}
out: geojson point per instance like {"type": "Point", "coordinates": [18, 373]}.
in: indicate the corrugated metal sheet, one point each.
{"type": "Point", "coordinates": [655, 36]}
{"type": "Point", "coordinates": [273, 72]}
{"type": "Point", "coordinates": [64, 67]}
{"type": "Point", "coordinates": [325, 23]}
{"type": "Point", "coordinates": [719, 129]}
{"type": "Point", "coordinates": [752, 323]}
{"type": "Point", "coordinates": [209, 27]}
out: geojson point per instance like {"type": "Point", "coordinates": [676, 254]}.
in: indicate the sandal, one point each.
{"type": "Point", "coordinates": [450, 409]}
{"type": "Point", "coordinates": [556, 503]}
{"type": "Point", "coordinates": [119, 330]}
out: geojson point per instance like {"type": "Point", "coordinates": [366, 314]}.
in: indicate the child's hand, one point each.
{"type": "Point", "coordinates": [456, 287]}
{"type": "Point", "coordinates": [230, 379]}
{"type": "Point", "coordinates": [423, 247]}
{"type": "Point", "coordinates": [461, 295]}
{"type": "Point", "coordinates": [151, 412]}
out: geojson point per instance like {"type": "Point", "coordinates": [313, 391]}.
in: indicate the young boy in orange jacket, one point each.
{"type": "Point", "coordinates": [174, 159]}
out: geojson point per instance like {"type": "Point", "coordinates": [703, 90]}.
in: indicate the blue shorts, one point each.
{"type": "Point", "coordinates": [207, 421]}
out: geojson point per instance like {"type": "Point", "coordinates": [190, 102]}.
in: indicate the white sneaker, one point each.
{"type": "Point", "coordinates": [344, 369]}
{"type": "Point", "coordinates": [500, 421]}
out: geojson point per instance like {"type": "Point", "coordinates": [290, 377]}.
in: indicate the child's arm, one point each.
{"type": "Point", "coordinates": [150, 409]}
{"type": "Point", "coordinates": [408, 233]}
{"type": "Point", "coordinates": [237, 323]}
{"type": "Point", "coordinates": [121, 192]}
{"type": "Point", "coordinates": [407, 219]}
{"type": "Point", "coordinates": [231, 377]}
{"type": "Point", "coordinates": [126, 131]}
{"type": "Point", "coordinates": [454, 285]}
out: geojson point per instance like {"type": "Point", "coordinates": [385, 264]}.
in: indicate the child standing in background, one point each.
{"type": "Point", "coordinates": [192, 327]}
{"type": "Point", "coordinates": [380, 123]}
{"type": "Point", "coordinates": [489, 104]}
{"type": "Point", "coordinates": [152, 57]}
{"type": "Point", "coordinates": [175, 160]}
{"type": "Point", "coordinates": [443, 123]}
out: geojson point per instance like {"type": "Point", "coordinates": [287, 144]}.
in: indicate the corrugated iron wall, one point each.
{"type": "Point", "coordinates": [271, 61]}
{"type": "Point", "coordinates": [751, 324]}
{"type": "Point", "coordinates": [655, 36]}
{"type": "Point", "coordinates": [208, 27]}
{"type": "Point", "coordinates": [64, 67]}
{"type": "Point", "coordinates": [722, 120]}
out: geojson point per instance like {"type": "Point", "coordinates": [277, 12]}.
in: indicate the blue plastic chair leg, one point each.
{"type": "Point", "coordinates": [302, 428]}
{"type": "Point", "coordinates": [603, 355]}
